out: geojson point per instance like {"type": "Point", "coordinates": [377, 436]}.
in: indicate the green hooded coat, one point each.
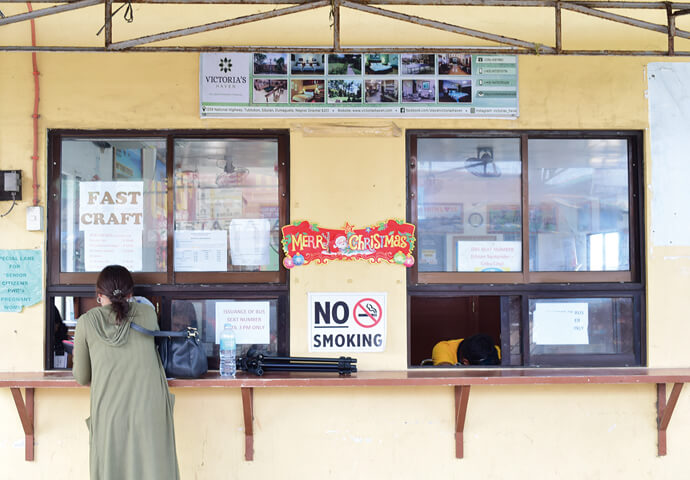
{"type": "Point", "coordinates": [131, 432]}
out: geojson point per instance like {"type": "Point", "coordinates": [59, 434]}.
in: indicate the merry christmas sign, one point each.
{"type": "Point", "coordinates": [391, 241]}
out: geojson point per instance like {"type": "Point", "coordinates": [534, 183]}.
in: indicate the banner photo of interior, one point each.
{"type": "Point", "coordinates": [306, 64]}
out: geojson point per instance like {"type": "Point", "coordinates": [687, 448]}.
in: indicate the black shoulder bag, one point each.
{"type": "Point", "coordinates": [182, 353]}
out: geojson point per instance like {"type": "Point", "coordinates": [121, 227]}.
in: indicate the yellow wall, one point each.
{"type": "Point", "coordinates": [575, 432]}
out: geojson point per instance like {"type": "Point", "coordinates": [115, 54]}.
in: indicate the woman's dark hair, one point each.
{"type": "Point", "coordinates": [478, 349]}
{"type": "Point", "coordinates": [115, 282]}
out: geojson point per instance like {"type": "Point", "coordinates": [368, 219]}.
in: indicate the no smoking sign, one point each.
{"type": "Point", "coordinates": [347, 322]}
{"type": "Point", "coordinates": [368, 313]}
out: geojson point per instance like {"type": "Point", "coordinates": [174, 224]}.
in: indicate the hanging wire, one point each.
{"type": "Point", "coordinates": [129, 15]}
{"type": "Point", "coordinates": [14, 202]}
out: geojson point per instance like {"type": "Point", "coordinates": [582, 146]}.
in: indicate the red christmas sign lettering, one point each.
{"type": "Point", "coordinates": [391, 241]}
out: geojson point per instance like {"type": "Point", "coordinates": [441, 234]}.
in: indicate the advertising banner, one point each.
{"type": "Point", "coordinates": [379, 85]}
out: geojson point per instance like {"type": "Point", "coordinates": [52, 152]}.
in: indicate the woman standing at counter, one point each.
{"type": "Point", "coordinates": [131, 431]}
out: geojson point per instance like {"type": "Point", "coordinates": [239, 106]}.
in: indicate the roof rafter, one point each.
{"type": "Point", "coordinates": [507, 44]}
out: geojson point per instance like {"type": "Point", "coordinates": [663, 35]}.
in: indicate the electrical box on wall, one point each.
{"type": "Point", "coordinates": [34, 218]}
{"type": "Point", "coordinates": [10, 185]}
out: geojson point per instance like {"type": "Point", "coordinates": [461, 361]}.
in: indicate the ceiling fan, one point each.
{"type": "Point", "coordinates": [483, 164]}
{"type": "Point", "coordinates": [231, 175]}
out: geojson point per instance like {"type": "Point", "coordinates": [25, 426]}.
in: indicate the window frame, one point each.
{"type": "Point", "coordinates": [169, 285]}
{"type": "Point", "coordinates": [533, 285]}
{"type": "Point", "coordinates": [526, 276]}
{"type": "Point", "coordinates": [57, 277]}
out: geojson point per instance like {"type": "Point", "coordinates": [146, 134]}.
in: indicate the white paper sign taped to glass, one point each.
{"type": "Point", "coordinates": [20, 279]}
{"type": "Point", "coordinates": [356, 85]}
{"type": "Point", "coordinates": [250, 321]}
{"type": "Point", "coordinates": [249, 241]}
{"type": "Point", "coordinates": [347, 322]}
{"type": "Point", "coordinates": [489, 256]}
{"type": "Point", "coordinates": [560, 323]}
{"type": "Point", "coordinates": [111, 215]}
{"type": "Point", "coordinates": [201, 251]}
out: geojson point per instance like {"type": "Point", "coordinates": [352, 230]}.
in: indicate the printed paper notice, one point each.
{"type": "Point", "coordinates": [489, 256]}
{"type": "Point", "coordinates": [250, 320]}
{"type": "Point", "coordinates": [119, 246]}
{"type": "Point", "coordinates": [560, 324]}
{"type": "Point", "coordinates": [249, 241]}
{"type": "Point", "coordinates": [201, 251]}
{"type": "Point", "coordinates": [111, 205]}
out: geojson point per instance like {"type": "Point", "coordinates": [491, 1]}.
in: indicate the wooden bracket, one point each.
{"type": "Point", "coordinates": [462, 396]}
{"type": "Point", "coordinates": [248, 410]}
{"type": "Point", "coordinates": [26, 416]}
{"type": "Point", "coordinates": [664, 410]}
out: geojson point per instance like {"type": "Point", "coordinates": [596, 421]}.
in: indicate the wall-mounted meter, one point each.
{"type": "Point", "coordinates": [10, 185]}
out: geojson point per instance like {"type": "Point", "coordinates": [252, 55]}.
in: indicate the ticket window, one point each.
{"type": "Point", "coordinates": [186, 212]}
{"type": "Point", "coordinates": [433, 319]}
{"type": "Point", "coordinates": [259, 322]}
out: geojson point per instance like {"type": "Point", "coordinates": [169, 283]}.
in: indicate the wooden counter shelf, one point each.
{"type": "Point", "coordinates": [460, 379]}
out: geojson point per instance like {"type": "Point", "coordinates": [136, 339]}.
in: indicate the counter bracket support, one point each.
{"type": "Point", "coordinates": [462, 396]}
{"type": "Point", "coordinates": [248, 411]}
{"type": "Point", "coordinates": [664, 410]}
{"type": "Point", "coordinates": [25, 409]}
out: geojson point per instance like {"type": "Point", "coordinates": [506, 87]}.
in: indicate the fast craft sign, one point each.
{"type": "Point", "coordinates": [390, 241]}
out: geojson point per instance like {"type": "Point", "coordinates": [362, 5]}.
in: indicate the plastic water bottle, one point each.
{"type": "Point", "coordinates": [228, 351]}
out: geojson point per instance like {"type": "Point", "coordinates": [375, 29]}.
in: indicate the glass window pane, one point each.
{"type": "Point", "coordinates": [113, 204]}
{"type": "Point", "coordinates": [468, 204]}
{"type": "Point", "coordinates": [226, 205]}
{"type": "Point", "coordinates": [581, 326]}
{"type": "Point", "coordinates": [255, 322]}
{"type": "Point", "coordinates": [579, 212]}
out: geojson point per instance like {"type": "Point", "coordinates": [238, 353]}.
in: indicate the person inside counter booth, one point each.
{"type": "Point", "coordinates": [183, 315]}
{"type": "Point", "coordinates": [478, 349]}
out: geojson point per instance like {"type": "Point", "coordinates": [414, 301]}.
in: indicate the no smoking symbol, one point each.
{"type": "Point", "coordinates": [368, 313]}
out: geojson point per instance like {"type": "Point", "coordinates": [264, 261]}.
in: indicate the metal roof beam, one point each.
{"type": "Point", "coordinates": [218, 25]}
{"type": "Point", "coordinates": [436, 3]}
{"type": "Point", "coordinates": [622, 19]}
{"type": "Point", "coordinates": [446, 27]}
{"type": "Point", "coordinates": [43, 12]}
{"type": "Point", "coordinates": [329, 49]}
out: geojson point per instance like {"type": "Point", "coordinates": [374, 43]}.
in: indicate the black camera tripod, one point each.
{"type": "Point", "coordinates": [258, 363]}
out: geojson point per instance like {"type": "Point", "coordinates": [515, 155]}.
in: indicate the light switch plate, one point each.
{"type": "Point", "coordinates": [34, 218]}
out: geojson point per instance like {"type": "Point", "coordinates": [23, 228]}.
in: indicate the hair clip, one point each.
{"type": "Point", "coordinates": [117, 292]}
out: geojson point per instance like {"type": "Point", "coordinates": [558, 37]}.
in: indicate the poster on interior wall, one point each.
{"type": "Point", "coordinates": [390, 241]}
{"type": "Point", "coordinates": [377, 85]}
{"type": "Point", "coordinates": [347, 322]}
{"type": "Point", "coordinates": [20, 279]}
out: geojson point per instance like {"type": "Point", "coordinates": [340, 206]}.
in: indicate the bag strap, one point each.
{"type": "Point", "coordinates": [158, 333]}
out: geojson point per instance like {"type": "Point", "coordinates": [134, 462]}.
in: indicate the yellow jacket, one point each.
{"type": "Point", "coordinates": [446, 351]}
